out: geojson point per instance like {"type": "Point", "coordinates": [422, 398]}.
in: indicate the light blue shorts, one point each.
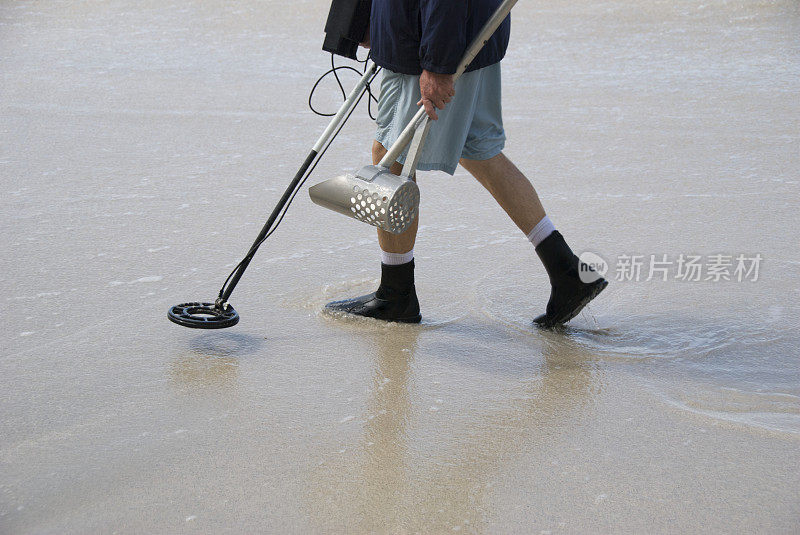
{"type": "Point", "coordinates": [470, 126]}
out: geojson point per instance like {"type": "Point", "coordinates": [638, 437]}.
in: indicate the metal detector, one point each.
{"type": "Point", "coordinates": [220, 314]}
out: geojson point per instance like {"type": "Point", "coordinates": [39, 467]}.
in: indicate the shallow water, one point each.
{"type": "Point", "coordinates": [143, 144]}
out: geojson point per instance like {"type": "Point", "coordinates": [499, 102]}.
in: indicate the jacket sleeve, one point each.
{"type": "Point", "coordinates": [444, 34]}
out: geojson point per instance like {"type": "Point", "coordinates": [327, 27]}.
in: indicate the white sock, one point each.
{"type": "Point", "coordinates": [542, 230]}
{"type": "Point", "coordinates": [395, 259]}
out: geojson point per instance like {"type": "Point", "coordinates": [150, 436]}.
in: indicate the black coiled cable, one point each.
{"type": "Point", "coordinates": [335, 71]}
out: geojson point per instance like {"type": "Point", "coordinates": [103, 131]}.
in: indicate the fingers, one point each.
{"type": "Point", "coordinates": [438, 95]}
{"type": "Point", "coordinates": [439, 100]}
{"type": "Point", "coordinates": [432, 104]}
{"type": "Point", "coordinates": [430, 109]}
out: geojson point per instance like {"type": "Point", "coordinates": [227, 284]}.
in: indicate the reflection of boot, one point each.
{"type": "Point", "coordinates": [395, 299]}
{"type": "Point", "coordinates": [569, 293]}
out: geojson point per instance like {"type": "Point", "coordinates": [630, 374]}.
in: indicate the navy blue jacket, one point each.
{"type": "Point", "coordinates": [407, 36]}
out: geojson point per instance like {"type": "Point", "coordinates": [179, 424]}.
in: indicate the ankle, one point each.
{"type": "Point", "coordinates": [556, 256]}
{"type": "Point", "coordinates": [396, 259]}
{"type": "Point", "coordinates": [397, 278]}
{"type": "Point", "coordinates": [541, 231]}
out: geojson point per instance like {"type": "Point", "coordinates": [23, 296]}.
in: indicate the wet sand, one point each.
{"type": "Point", "coordinates": [142, 145]}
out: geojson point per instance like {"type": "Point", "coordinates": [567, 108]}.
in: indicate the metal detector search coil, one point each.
{"type": "Point", "coordinates": [200, 315]}
{"type": "Point", "coordinates": [373, 195]}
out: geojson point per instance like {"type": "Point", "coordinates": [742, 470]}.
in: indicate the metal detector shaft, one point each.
{"type": "Point", "coordinates": [223, 298]}
{"type": "Point", "coordinates": [340, 116]}
{"type": "Point", "coordinates": [477, 44]}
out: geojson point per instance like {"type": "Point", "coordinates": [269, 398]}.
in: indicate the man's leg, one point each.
{"type": "Point", "coordinates": [396, 297]}
{"type": "Point", "coordinates": [394, 243]}
{"type": "Point", "coordinates": [573, 285]}
{"type": "Point", "coordinates": [510, 188]}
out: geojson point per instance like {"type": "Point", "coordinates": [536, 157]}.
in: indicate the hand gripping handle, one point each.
{"type": "Point", "coordinates": [420, 117]}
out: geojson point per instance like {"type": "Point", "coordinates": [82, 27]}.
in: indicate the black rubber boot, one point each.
{"type": "Point", "coordinates": [395, 299]}
{"type": "Point", "coordinates": [568, 294]}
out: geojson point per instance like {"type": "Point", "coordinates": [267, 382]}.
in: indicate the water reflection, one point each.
{"type": "Point", "coordinates": [204, 371]}
{"type": "Point", "coordinates": [225, 344]}
{"type": "Point", "coordinates": [418, 470]}
{"type": "Point", "coordinates": [212, 361]}
{"type": "Point", "coordinates": [384, 467]}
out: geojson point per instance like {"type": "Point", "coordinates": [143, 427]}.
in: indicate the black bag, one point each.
{"type": "Point", "coordinates": [347, 25]}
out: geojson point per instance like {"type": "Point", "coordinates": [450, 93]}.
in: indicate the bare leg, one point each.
{"type": "Point", "coordinates": [569, 292]}
{"type": "Point", "coordinates": [394, 243]}
{"type": "Point", "coordinates": [510, 188]}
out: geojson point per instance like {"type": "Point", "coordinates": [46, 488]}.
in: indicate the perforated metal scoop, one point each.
{"type": "Point", "coordinates": [374, 195]}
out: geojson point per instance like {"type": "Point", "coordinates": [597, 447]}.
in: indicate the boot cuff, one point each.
{"type": "Point", "coordinates": [399, 278]}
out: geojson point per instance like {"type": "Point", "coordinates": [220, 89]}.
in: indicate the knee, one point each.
{"type": "Point", "coordinates": [477, 169]}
